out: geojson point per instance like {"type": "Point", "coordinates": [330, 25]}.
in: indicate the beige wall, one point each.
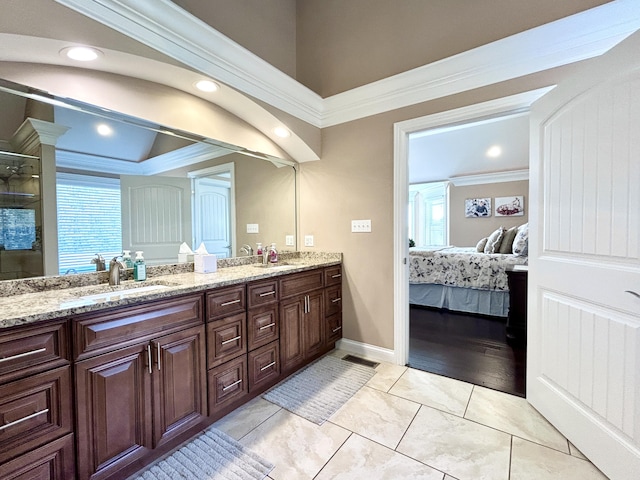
{"type": "Point", "coordinates": [465, 232]}
{"type": "Point", "coordinates": [354, 180]}
{"type": "Point", "coordinates": [345, 44]}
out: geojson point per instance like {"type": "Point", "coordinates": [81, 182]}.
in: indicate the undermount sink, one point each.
{"type": "Point", "coordinates": [272, 266]}
{"type": "Point", "coordinates": [107, 293]}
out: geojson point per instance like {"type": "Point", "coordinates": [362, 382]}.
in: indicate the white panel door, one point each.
{"type": "Point", "coordinates": [584, 254]}
{"type": "Point", "coordinates": [156, 216]}
{"type": "Point", "coordinates": [212, 216]}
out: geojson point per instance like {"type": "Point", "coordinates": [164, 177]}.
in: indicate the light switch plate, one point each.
{"type": "Point", "coordinates": [308, 240]}
{"type": "Point", "coordinates": [252, 228]}
{"type": "Point", "coordinates": [289, 241]}
{"type": "Point", "coordinates": [361, 226]}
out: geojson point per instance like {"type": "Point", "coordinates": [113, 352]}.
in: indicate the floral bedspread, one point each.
{"type": "Point", "coordinates": [461, 267]}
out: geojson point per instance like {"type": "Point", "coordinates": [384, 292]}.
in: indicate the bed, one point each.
{"type": "Point", "coordinates": [461, 279]}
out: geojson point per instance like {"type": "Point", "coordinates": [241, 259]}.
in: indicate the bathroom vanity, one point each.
{"type": "Point", "coordinates": [98, 388]}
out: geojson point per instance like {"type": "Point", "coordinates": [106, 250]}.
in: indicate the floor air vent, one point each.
{"type": "Point", "coordinates": [360, 361]}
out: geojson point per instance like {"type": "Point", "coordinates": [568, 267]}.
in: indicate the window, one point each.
{"type": "Point", "coordinates": [428, 213]}
{"type": "Point", "coordinates": [89, 221]}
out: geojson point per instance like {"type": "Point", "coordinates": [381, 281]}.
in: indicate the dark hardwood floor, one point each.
{"type": "Point", "coordinates": [466, 347]}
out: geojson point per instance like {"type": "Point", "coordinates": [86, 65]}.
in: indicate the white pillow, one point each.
{"type": "Point", "coordinates": [507, 241]}
{"type": "Point", "coordinates": [521, 242]}
{"type": "Point", "coordinates": [493, 243]}
{"type": "Point", "coordinates": [481, 244]}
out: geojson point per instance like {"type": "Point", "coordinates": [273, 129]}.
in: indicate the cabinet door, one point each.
{"type": "Point", "coordinates": [179, 383]}
{"type": "Point", "coordinates": [314, 324]}
{"type": "Point", "coordinates": [54, 461]}
{"type": "Point", "coordinates": [333, 332]}
{"type": "Point", "coordinates": [292, 333]}
{"type": "Point", "coordinates": [227, 385]}
{"type": "Point", "coordinates": [262, 326]}
{"type": "Point", "coordinates": [226, 339]}
{"type": "Point", "coordinates": [113, 403]}
{"type": "Point", "coordinates": [264, 367]}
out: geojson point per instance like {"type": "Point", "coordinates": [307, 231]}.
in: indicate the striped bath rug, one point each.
{"type": "Point", "coordinates": [213, 455]}
{"type": "Point", "coordinates": [319, 390]}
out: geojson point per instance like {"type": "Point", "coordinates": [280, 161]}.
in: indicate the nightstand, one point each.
{"type": "Point", "coordinates": [516, 329]}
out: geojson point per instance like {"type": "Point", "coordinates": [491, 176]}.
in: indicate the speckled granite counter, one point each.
{"type": "Point", "coordinates": [57, 297]}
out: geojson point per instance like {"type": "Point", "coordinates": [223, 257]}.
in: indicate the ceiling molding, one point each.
{"type": "Point", "coordinates": [494, 177]}
{"type": "Point", "coordinates": [176, 33]}
{"type": "Point", "coordinates": [95, 163]}
{"type": "Point", "coordinates": [182, 157]}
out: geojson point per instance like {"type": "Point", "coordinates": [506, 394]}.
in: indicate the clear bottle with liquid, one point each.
{"type": "Point", "coordinates": [273, 253]}
{"type": "Point", "coordinates": [126, 258]}
{"type": "Point", "coordinates": [139, 268]}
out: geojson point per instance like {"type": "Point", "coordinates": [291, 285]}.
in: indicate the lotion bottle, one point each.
{"type": "Point", "coordinates": [139, 268]}
{"type": "Point", "coordinates": [126, 258]}
{"type": "Point", "coordinates": [273, 253]}
{"type": "Point", "coordinates": [258, 248]}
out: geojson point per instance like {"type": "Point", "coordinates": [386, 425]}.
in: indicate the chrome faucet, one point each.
{"type": "Point", "coordinates": [99, 261]}
{"type": "Point", "coordinates": [115, 266]}
{"type": "Point", "coordinates": [248, 249]}
{"type": "Point", "coordinates": [265, 255]}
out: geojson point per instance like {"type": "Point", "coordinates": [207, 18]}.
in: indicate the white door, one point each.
{"type": "Point", "coordinates": [156, 216]}
{"type": "Point", "coordinates": [584, 328]}
{"type": "Point", "coordinates": [212, 219]}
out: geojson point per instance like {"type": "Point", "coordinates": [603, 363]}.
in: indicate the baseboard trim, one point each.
{"type": "Point", "coordinates": [370, 352]}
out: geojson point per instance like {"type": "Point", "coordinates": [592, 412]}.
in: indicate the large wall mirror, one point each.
{"type": "Point", "coordinates": [76, 181]}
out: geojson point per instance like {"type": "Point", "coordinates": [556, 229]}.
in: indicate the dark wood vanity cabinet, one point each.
{"type": "Point", "coordinates": [141, 391]}
{"type": "Point", "coordinates": [36, 416]}
{"type": "Point", "coordinates": [333, 305]}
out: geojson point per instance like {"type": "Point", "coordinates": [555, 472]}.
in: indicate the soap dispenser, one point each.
{"type": "Point", "coordinates": [273, 254]}
{"type": "Point", "coordinates": [139, 268]}
{"type": "Point", "coordinates": [258, 248]}
{"type": "Point", "coordinates": [126, 258]}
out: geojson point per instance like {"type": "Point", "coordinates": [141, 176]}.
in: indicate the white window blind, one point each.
{"type": "Point", "coordinates": [89, 221]}
{"type": "Point", "coordinates": [428, 214]}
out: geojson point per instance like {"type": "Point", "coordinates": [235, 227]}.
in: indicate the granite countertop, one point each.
{"type": "Point", "coordinates": [58, 302]}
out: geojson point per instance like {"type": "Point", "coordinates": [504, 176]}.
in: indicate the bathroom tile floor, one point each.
{"type": "Point", "coordinates": [408, 424]}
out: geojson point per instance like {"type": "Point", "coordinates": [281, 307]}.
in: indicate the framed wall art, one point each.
{"type": "Point", "coordinates": [477, 207]}
{"type": "Point", "coordinates": [510, 206]}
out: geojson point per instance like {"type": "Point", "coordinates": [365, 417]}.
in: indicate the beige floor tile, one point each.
{"type": "Point", "coordinates": [575, 452]}
{"type": "Point", "coordinates": [360, 458]}
{"type": "Point", "coordinates": [458, 447]}
{"type": "Point", "coordinates": [386, 375]}
{"type": "Point", "coordinates": [376, 415]}
{"type": "Point", "coordinates": [435, 391]}
{"type": "Point", "coordinates": [244, 419]}
{"type": "Point", "coordinates": [530, 461]}
{"type": "Point", "coordinates": [449, 477]}
{"type": "Point", "coordinates": [513, 415]}
{"type": "Point", "coordinates": [297, 447]}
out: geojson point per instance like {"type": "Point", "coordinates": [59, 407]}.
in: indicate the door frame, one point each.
{"type": "Point", "coordinates": [514, 104]}
{"type": "Point", "coordinates": [207, 172]}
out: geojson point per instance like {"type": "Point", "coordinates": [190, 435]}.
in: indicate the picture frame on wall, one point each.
{"type": "Point", "coordinates": [510, 206]}
{"type": "Point", "coordinates": [477, 207]}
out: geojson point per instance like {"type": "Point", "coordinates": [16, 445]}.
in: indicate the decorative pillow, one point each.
{"type": "Point", "coordinates": [493, 242]}
{"type": "Point", "coordinates": [521, 242]}
{"type": "Point", "coordinates": [507, 241]}
{"type": "Point", "coordinates": [480, 245]}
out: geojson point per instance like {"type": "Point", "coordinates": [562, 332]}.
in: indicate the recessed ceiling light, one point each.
{"type": "Point", "coordinates": [207, 86]}
{"type": "Point", "coordinates": [282, 132]}
{"type": "Point", "coordinates": [104, 129]}
{"type": "Point", "coordinates": [81, 54]}
{"type": "Point", "coordinates": [494, 151]}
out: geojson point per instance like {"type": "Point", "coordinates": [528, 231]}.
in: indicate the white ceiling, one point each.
{"type": "Point", "coordinates": [460, 150]}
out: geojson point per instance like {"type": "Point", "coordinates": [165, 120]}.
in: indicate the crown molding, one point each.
{"type": "Point", "coordinates": [96, 163]}
{"type": "Point", "coordinates": [34, 132]}
{"type": "Point", "coordinates": [182, 157]}
{"type": "Point", "coordinates": [174, 32]}
{"type": "Point", "coordinates": [495, 177]}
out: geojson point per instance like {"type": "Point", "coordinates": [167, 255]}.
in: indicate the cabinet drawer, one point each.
{"type": "Point", "coordinates": [129, 325]}
{"type": "Point", "coordinates": [226, 301]}
{"type": "Point", "coordinates": [333, 275]}
{"type": "Point", "coordinates": [262, 326]}
{"type": "Point", "coordinates": [54, 461]}
{"type": "Point", "coordinates": [333, 300]}
{"type": "Point", "coordinates": [333, 325]}
{"type": "Point", "coordinates": [301, 282]}
{"type": "Point", "coordinates": [28, 350]}
{"type": "Point", "coordinates": [34, 410]}
{"type": "Point", "coordinates": [227, 384]}
{"type": "Point", "coordinates": [226, 339]}
{"type": "Point", "coordinates": [264, 366]}
{"type": "Point", "coordinates": [262, 293]}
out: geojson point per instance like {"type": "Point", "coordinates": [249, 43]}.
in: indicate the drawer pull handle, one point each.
{"type": "Point", "coordinates": [23, 354]}
{"type": "Point", "coordinates": [224, 389]}
{"type": "Point", "coordinates": [230, 303]}
{"type": "Point", "coordinates": [149, 358]}
{"type": "Point", "coordinates": [267, 366]}
{"type": "Point", "coordinates": [232, 340]}
{"type": "Point", "coordinates": [159, 355]}
{"type": "Point", "coordinates": [337, 275]}
{"type": "Point", "coordinates": [264, 327]}
{"type": "Point", "coordinates": [635, 294]}
{"type": "Point", "coordinates": [266, 294]}
{"type": "Point", "coordinates": [336, 329]}
{"type": "Point", "coordinates": [336, 300]}
{"type": "Point", "coordinates": [23, 419]}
